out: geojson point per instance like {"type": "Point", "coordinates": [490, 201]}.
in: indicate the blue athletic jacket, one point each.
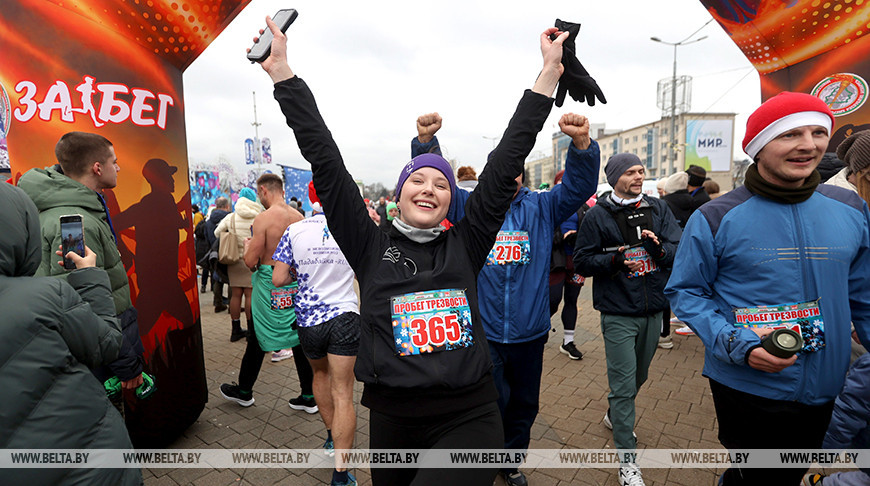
{"type": "Point", "coordinates": [514, 299]}
{"type": "Point", "coordinates": [744, 250]}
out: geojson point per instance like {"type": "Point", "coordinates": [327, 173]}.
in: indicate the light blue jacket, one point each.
{"type": "Point", "coordinates": [744, 250]}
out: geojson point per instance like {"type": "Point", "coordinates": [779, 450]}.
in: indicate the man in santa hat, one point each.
{"type": "Point", "coordinates": [781, 251]}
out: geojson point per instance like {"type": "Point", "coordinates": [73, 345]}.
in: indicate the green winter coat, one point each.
{"type": "Point", "coordinates": [52, 331]}
{"type": "Point", "coordinates": [57, 195]}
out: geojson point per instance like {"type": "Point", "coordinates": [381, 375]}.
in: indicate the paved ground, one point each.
{"type": "Point", "coordinates": [674, 409]}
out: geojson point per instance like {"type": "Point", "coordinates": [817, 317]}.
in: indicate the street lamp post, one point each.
{"type": "Point", "coordinates": [683, 42]}
{"type": "Point", "coordinates": [493, 139]}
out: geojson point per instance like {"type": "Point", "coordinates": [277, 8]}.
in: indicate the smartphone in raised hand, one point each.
{"type": "Point", "coordinates": [72, 237]}
{"type": "Point", "coordinates": [263, 47]}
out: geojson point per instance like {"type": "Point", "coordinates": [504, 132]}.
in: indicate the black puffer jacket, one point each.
{"type": "Point", "coordinates": [52, 331]}
{"type": "Point", "coordinates": [612, 291]}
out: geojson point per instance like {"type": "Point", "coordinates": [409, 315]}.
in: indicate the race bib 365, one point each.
{"type": "Point", "coordinates": [431, 321]}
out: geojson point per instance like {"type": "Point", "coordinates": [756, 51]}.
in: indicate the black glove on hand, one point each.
{"type": "Point", "coordinates": [617, 261]}
{"type": "Point", "coordinates": [654, 249]}
{"type": "Point", "coordinates": [575, 79]}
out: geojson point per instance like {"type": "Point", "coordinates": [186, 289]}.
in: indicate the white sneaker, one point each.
{"type": "Point", "coordinates": [675, 321]}
{"type": "Point", "coordinates": [629, 475]}
{"type": "Point", "coordinates": [665, 342]}
{"type": "Point", "coordinates": [282, 355]}
{"type": "Point", "coordinates": [685, 331]}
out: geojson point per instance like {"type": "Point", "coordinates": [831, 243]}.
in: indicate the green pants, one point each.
{"type": "Point", "coordinates": [275, 328]}
{"type": "Point", "coordinates": [629, 346]}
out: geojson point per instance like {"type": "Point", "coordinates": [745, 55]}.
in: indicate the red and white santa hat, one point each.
{"type": "Point", "coordinates": [312, 196]}
{"type": "Point", "coordinates": [781, 113]}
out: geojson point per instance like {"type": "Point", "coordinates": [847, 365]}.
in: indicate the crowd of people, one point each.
{"type": "Point", "coordinates": [458, 280]}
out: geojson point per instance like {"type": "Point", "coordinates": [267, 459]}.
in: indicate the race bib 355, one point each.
{"type": "Point", "coordinates": [283, 298]}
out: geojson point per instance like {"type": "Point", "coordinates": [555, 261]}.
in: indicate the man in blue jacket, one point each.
{"type": "Point", "coordinates": [513, 286]}
{"type": "Point", "coordinates": [781, 251]}
{"type": "Point", "coordinates": [627, 243]}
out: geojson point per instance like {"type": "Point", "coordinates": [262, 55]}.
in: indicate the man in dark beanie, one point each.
{"type": "Point", "coordinates": [627, 241]}
{"type": "Point", "coordinates": [697, 176]}
{"type": "Point", "coordinates": [781, 251]}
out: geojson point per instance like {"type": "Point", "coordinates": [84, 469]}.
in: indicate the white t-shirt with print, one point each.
{"type": "Point", "coordinates": [324, 276]}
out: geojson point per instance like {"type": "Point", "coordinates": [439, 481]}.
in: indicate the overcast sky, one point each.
{"type": "Point", "coordinates": [375, 66]}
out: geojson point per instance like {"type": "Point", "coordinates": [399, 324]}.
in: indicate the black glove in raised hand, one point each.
{"type": "Point", "coordinates": [575, 80]}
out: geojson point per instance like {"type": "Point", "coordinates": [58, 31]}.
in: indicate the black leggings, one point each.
{"type": "Point", "coordinates": [571, 291]}
{"type": "Point", "coordinates": [478, 428]}
{"type": "Point", "coordinates": [252, 361]}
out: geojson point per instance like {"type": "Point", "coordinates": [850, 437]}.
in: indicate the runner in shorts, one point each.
{"type": "Point", "coordinates": [327, 316]}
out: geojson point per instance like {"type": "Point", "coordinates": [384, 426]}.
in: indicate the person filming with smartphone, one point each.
{"type": "Point", "coordinates": [87, 164]}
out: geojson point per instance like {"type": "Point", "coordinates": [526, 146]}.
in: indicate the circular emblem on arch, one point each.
{"type": "Point", "coordinates": [844, 93]}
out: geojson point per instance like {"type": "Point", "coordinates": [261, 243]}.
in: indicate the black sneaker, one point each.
{"type": "Point", "coordinates": [238, 334]}
{"type": "Point", "coordinates": [571, 351]}
{"type": "Point", "coordinates": [234, 394]}
{"type": "Point", "coordinates": [308, 405]}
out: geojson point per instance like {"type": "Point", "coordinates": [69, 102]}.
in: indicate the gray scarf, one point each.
{"type": "Point", "coordinates": [416, 234]}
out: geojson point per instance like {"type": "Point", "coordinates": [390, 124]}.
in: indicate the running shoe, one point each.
{"type": "Point", "coordinates": [665, 342]}
{"type": "Point", "coordinates": [571, 350]}
{"type": "Point", "coordinates": [234, 394]}
{"type": "Point", "coordinates": [329, 448]}
{"type": "Point", "coordinates": [685, 331]}
{"type": "Point", "coordinates": [629, 475]}
{"type": "Point", "coordinates": [282, 355]}
{"type": "Point", "coordinates": [307, 405]}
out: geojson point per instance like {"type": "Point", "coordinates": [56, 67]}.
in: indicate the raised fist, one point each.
{"type": "Point", "coordinates": [427, 126]}
{"type": "Point", "coordinates": [576, 127]}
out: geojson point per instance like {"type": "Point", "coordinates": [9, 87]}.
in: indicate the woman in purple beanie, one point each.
{"type": "Point", "coordinates": [422, 356]}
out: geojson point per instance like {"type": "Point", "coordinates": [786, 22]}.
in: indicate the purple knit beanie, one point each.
{"type": "Point", "coordinates": [426, 160]}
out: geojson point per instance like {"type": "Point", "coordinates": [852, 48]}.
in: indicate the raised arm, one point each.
{"type": "Point", "coordinates": [551, 50]}
{"type": "Point", "coordinates": [581, 171]}
{"type": "Point", "coordinates": [427, 143]}
{"type": "Point", "coordinates": [487, 205]}
{"type": "Point", "coordinates": [339, 194]}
